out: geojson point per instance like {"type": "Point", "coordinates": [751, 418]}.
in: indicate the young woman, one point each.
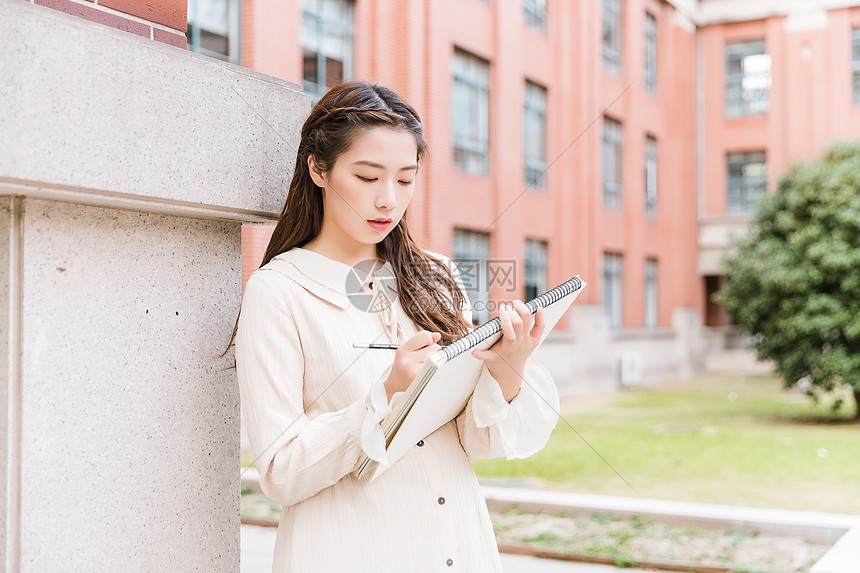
{"type": "Point", "coordinates": [313, 403]}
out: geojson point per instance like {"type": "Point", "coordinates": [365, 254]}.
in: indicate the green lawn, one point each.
{"type": "Point", "coordinates": [717, 439]}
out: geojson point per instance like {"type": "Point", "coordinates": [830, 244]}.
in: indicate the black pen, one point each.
{"type": "Point", "coordinates": [383, 346]}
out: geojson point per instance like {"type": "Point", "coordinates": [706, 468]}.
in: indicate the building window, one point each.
{"type": "Point", "coordinates": [213, 28]}
{"type": "Point", "coordinates": [747, 180]}
{"type": "Point", "coordinates": [470, 113]}
{"type": "Point", "coordinates": [651, 293]}
{"type": "Point", "coordinates": [327, 44]}
{"type": "Point", "coordinates": [650, 53]}
{"type": "Point", "coordinates": [472, 254]}
{"type": "Point", "coordinates": [534, 135]}
{"type": "Point", "coordinates": [650, 177]}
{"type": "Point", "coordinates": [535, 268]}
{"type": "Point", "coordinates": [612, 163]}
{"type": "Point", "coordinates": [855, 62]}
{"type": "Point", "coordinates": [747, 78]}
{"type": "Point", "coordinates": [612, 36]}
{"type": "Point", "coordinates": [535, 14]}
{"type": "Point", "coordinates": [612, 295]}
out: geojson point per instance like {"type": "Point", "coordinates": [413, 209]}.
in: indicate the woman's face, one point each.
{"type": "Point", "coordinates": [374, 179]}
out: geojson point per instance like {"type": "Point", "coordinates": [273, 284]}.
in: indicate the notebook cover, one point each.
{"type": "Point", "coordinates": [456, 374]}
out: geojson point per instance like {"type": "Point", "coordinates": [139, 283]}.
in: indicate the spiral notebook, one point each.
{"type": "Point", "coordinates": [447, 379]}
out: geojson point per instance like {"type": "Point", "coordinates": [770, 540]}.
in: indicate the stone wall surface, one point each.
{"type": "Point", "coordinates": [129, 438]}
{"type": "Point", "coordinates": [127, 169]}
{"type": "Point", "coordinates": [97, 110]}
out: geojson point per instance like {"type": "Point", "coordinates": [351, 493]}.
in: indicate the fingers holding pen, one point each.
{"type": "Point", "coordinates": [409, 358]}
{"type": "Point", "coordinates": [421, 340]}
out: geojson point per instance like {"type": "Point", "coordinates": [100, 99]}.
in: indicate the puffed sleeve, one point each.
{"type": "Point", "coordinates": [378, 406]}
{"type": "Point", "coordinates": [490, 427]}
{"type": "Point", "coordinates": [296, 456]}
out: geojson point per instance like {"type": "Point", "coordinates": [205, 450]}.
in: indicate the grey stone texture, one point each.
{"type": "Point", "coordinates": [127, 168]}
{"type": "Point", "coordinates": [96, 109]}
{"type": "Point", "coordinates": [125, 315]}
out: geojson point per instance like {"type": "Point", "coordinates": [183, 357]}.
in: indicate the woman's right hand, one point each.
{"type": "Point", "coordinates": [408, 358]}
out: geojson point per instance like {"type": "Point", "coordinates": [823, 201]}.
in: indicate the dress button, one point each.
{"type": "Point", "coordinates": [449, 562]}
{"type": "Point", "coordinates": [441, 501]}
{"type": "Point", "coordinates": [420, 443]}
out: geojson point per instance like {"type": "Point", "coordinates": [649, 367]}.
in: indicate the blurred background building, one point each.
{"type": "Point", "coordinates": [622, 140]}
{"type": "Point", "coordinates": [559, 139]}
{"type": "Point", "coordinates": [524, 165]}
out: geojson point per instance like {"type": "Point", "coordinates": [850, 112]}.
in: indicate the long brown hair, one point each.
{"type": "Point", "coordinates": [426, 287]}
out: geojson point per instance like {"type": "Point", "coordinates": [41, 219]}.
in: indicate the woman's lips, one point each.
{"type": "Point", "coordinates": [379, 226]}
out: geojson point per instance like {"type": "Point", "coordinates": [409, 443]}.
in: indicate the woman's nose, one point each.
{"type": "Point", "coordinates": [387, 198]}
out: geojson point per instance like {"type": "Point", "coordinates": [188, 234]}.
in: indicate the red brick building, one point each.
{"type": "Point", "coordinates": [623, 140]}
{"type": "Point", "coordinates": [160, 20]}
{"type": "Point", "coordinates": [522, 102]}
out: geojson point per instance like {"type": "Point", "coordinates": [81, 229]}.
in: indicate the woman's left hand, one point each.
{"type": "Point", "coordinates": [506, 359]}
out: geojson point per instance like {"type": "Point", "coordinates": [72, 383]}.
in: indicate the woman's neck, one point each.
{"type": "Point", "coordinates": [348, 255]}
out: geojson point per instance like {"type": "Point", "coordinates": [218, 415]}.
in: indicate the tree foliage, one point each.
{"type": "Point", "coordinates": [794, 280]}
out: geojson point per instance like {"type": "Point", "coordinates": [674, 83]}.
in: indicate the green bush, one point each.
{"type": "Point", "coordinates": [794, 280]}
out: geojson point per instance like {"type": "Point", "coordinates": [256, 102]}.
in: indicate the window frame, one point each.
{"type": "Point", "coordinates": [535, 110]}
{"type": "Point", "coordinates": [651, 302]}
{"type": "Point", "coordinates": [741, 101]}
{"type": "Point", "coordinates": [742, 192]}
{"type": "Point", "coordinates": [535, 15]}
{"type": "Point", "coordinates": [322, 28]}
{"type": "Point", "coordinates": [613, 138]}
{"type": "Point", "coordinates": [471, 250]}
{"type": "Point", "coordinates": [536, 254]}
{"type": "Point", "coordinates": [470, 74]}
{"type": "Point", "coordinates": [234, 28]}
{"type": "Point", "coordinates": [651, 176]}
{"type": "Point", "coordinates": [855, 64]}
{"type": "Point", "coordinates": [613, 33]}
{"type": "Point", "coordinates": [613, 288]}
{"type": "Point", "coordinates": [650, 71]}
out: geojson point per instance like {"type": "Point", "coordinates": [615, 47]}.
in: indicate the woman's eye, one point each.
{"type": "Point", "coordinates": [405, 183]}
{"type": "Point", "coordinates": [366, 179]}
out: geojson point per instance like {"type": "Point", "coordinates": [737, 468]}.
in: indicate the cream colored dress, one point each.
{"type": "Point", "coordinates": [311, 403]}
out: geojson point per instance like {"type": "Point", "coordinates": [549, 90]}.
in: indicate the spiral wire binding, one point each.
{"type": "Point", "coordinates": [491, 327]}
{"type": "Point", "coordinates": [367, 466]}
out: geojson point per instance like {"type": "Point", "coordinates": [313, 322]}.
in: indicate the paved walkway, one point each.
{"type": "Point", "coordinates": [258, 543]}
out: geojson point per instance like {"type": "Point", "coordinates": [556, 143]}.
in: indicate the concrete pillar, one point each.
{"type": "Point", "coordinates": [690, 342]}
{"type": "Point", "coordinates": [127, 168]}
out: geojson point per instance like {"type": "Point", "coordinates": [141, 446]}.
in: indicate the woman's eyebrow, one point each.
{"type": "Point", "coordinates": [380, 166]}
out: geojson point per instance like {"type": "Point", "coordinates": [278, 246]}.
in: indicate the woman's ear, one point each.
{"type": "Point", "coordinates": [316, 174]}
